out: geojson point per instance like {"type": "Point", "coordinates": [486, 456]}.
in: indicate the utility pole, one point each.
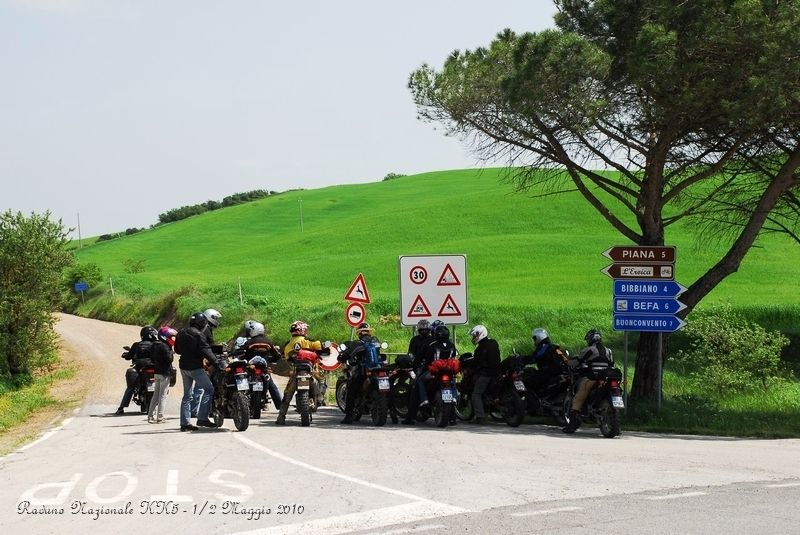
{"type": "Point", "coordinates": [80, 243]}
{"type": "Point", "coordinates": [301, 214]}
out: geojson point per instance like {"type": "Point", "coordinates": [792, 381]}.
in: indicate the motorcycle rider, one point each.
{"type": "Point", "coordinates": [487, 366]}
{"type": "Point", "coordinates": [298, 330]}
{"type": "Point", "coordinates": [192, 345]}
{"type": "Point", "coordinates": [440, 348]}
{"type": "Point", "coordinates": [595, 351]}
{"type": "Point", "coordinates": [258, 345]}
{"type": "Point", "coordinates": [549, 359]}
{"type": "Point", "coordinates": [140, 354]}
{"type": "Point", "coordinates": [416, 346]}
{"type": "Point", "coordinates": [213, 316]}
{"type": "Point", "coordinates": [364, 353]}
{"type": "Point", "coordinates": [162, 362]}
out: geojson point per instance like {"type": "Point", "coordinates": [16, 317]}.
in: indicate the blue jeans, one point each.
{"type": "Point", "coordinates": [422, 385]}
{"type": "Point", "coordinates": [197, 395]}
{"type": "Point", "coordinates": [126, 397]}
{"type": "Point", "coordinates": [275, 394]}
{"type": "Point", "coordinates": [191, 379]}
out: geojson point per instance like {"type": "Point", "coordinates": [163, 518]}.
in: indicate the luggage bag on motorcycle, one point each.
{"type": "Point", "coordinates": [173, 376]}
{"type": "Point", "coordinates": [404, 361]}
{"type": "Point", "coordinates": [603, 371]}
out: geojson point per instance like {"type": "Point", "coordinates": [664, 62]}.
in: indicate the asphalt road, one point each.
{"type": "Point", "coordinates": [95, 471]}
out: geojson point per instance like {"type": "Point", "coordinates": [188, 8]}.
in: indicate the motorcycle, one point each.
{"type": "Point", "coordinates": [259, 376]}
{"type": "Point", "coordinates": [142, 376]}
{"type": "Point", "coordinates": [304, 360]}
{"type": "Point", "coordinates": [604, 401]}
{"type": "Point", "coordinates": [373, 398]}
{"type": "Point", "coordinates": [231, 391]}
{"type": "Point", "coordinates": [442, 392]}
{"type": "Point", "coordinates": [401, 384]}
{"type": "Point", "coordinates": [503, 396]}
{"type": "Point", "coordinates": [547, 399]}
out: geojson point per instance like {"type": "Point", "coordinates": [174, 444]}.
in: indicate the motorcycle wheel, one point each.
{"type": "Point", "coordinates": [513, 407]}
{"type": "Point", "coordinates": [441, 411]}
{"type": "Point", "coordinates": [341, 394]}
{"type": "Point", "coordinates": [379, 409]}
{"type": "Point", "coordinates": [401, 391]}
{"type": "Point", "coordinates": [241, 411]}
{"type": "Point", "coordinates": [255, 405]}
{"type": "Point", "coordinates": [559, 411]}
{"type": "Point", "coordinates": [609, 420]}
{"type": "Point", "coordinates": [463, 408]}
{"type": "Point", "coordinates": [302, 404]}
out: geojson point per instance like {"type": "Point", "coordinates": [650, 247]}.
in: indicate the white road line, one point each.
{"type": "Point", "coordinates": [548, 511]}
{"type": "Point", "coordinates": [417, 529]}
{"type": "Point", "coordinates": [331, 473]}
{"type": "Point", "coordinates": [782, 485]}
{"type": "Point", "coordinates": [364, 520]}
{"type": "Point", "coordinates": [42, 438]}
{"type": "Point", "coordinates": [676, 496]}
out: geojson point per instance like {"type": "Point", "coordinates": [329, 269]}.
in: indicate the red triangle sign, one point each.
{"type": "Point", "coordinates": [419, 309]}
{"type": "Point", "coordinates": [448, 277]}
{"type": "Point", "coordinates": [358, 292]}
{"type": "Point", "coordinates": [449, 307]}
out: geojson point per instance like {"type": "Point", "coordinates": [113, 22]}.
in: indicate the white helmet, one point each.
{"type": "Point", "coordinates": [539, 335]}
{"type": "Point", "coordinates": [253, 328]}
{"type": "Point", "coordinates": [212, 316]}
{"type": "Point", "coordinates": [478, 333]}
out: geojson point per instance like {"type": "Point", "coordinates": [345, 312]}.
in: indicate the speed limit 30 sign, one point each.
{"type": "Point", "coordinates": [433, 287]}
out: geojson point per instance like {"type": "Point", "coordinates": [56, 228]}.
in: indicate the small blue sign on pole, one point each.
{"type": "Point", "coordinates": [654, 323]}
{"type": "Point", "coordinates": [647, 305]}
{"type": "Point", "coordinates": [81, 287]}
{"type": "Point", "coordinates": [644, 288]}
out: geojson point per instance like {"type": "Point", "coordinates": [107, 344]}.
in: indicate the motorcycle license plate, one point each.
{"type": "Point", "coordinates": [447, 395]}
{"type": "Point", "coordinates": [242, 383]}
{"type": "Point", "coordinates": [258, 386]}
{"type": "Point", "coordinates": [519, 385]}
{"type": "Point", "coordinates": [151, 387]}
{"type": "Point", "coordinates": [383, 384]}
{"type": "Point", "coordinates": [617, 402]}
{"type": "Point", "coordinates": [303, 383]}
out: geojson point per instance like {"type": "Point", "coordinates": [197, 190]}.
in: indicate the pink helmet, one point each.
{"type": "Point", "coordinates": [167, 334]}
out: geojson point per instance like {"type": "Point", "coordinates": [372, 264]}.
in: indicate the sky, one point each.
{"type": "Point", "coordinates": [114, 111]}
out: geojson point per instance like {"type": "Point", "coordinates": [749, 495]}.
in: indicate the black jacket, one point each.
{"type": "Point", "coordinates": [487, 357]}
{"type": "Point", "coordinates": [162, 357]}
{"type": "Point", "coordinates": [438, 349]}
{"type": "Point", "coordinates": [193, 347]}
{"type": "Point", "coordinates": [416, 347]}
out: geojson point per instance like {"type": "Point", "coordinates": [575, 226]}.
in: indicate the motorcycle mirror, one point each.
{"type": "Point", "coordinates": [384, 345]}
{"type": "Point", "coordinates": [126, 348]}
{"type": "Point", "coordinates": [326, 344]}
{"type": "Point", "coordinates": [342, 347]}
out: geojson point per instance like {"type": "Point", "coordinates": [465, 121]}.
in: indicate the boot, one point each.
{"type": "Point", "coordinates": [348, 419]}
{"type": "Point", "coordinates": [281, 420]}
{"type": "Point", "coordinates": [574, 422]}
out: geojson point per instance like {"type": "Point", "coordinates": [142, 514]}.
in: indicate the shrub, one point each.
{"type": "Point", "coordinates": [731, 354]}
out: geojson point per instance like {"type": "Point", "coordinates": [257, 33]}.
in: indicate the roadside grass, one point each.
{"type": "Point", "coordinates": [18, 400]}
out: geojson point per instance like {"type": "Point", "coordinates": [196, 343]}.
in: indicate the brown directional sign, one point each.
{"type": "Point", "coordinates": [640, 270]}
{"type": "Point", "coordinates": [641, 253]}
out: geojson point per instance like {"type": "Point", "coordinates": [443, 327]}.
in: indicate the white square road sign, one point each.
{"type": "Point", "coordinates": [433, 287]}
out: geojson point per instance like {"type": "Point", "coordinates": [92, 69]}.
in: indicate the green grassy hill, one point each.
{"type": "Point", "coordinates": [532, 261]}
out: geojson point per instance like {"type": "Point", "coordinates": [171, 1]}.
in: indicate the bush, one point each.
{"type": "Point", "coordinates": [731, 354]}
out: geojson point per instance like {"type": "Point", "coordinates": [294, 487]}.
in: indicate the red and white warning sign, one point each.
{"type": "Point", "coordinates": [433, 287]}
{"type": "Point", "coordinates": [355, 314]}
{"type": "Point", "coordinates": [358, 292]}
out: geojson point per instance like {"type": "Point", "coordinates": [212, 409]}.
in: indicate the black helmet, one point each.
{"type": "Point", "coordinates": [441, 332]}
{"type": "Point", "coordinates": [364, 330]}
{"type": "Point", "coordinates": [593, 336]}
{"type": "Point", "coordinates": [423, 326]}
{"type": "Point", "coordinates": [198, 321]}
{"type": "Point", "coordinates": [149, 332]}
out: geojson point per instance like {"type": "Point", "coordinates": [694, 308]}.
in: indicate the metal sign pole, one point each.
{"type": "Point", "coordinates": [660, 371]}
{"type": "Point", "coordinates": [625, 370]}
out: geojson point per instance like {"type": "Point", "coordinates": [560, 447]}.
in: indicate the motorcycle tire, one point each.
{"type": "Point", "coordinates": [241, 411]}
{"type": "Point", "coordinates": [341, 394]}
{"type": "Point", "coordinates": [463, 407]}
{"type": "Point", "coordinates": [513, 407]}
{"type": "Point", "coordinates": [441, 411]}
{"type": "Point", "coordinates": [401, 392]}
{"type": "Point", "coordinates": [255, 404]}
{"type": "Point", "coordinates": [609, 420]}
{"type": "Point", "coordinates": [302, 405]}
{"type": "Point", "coordinates": [379, 409]}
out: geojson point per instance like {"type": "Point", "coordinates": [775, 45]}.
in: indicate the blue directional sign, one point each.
{"type": "Point", "coordinates": [647, 305]}
{"type": "Point", "coordinates": [647, 323]}
{"type": "Point", "coordinates": [81, 286]}
{"type": "Point", "coordinates": [647, 288]}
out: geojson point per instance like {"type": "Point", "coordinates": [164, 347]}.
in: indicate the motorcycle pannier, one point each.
{"type": "Point", "coordinates": [404, 361]}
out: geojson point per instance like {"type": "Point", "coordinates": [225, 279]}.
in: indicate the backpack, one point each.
{"type": "Point", "coordinates": [184, 342]}
{"type": "Point", "coordinates": [144, 351]}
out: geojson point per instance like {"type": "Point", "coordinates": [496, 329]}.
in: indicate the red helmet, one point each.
{"type": "Point", "coordinates": [167, 334]}
{"type": "Point", "coordinates": [298, 327]}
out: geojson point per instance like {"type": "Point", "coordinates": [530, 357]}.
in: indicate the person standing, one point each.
{"type": "Point", "coordinates": [212, 322]}
{"type": "Point", "coordinates": [162, 362]}
{"type": "Point", "coordinates": [487, 366]}
{"type": "Point", "coordinates": [191, 344]}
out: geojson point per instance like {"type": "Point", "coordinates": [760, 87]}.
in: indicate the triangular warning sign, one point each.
{"type": "Point", "coordinates": [358, 291]}
{"type": "Point", "coordinates": [449, 307]}
{"type": "Point", "coordinates": [419, 309]}
{"type": "Point", "coordinates": [448, 277]}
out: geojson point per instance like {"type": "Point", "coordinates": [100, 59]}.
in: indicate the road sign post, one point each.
{"type": "Point", "coordinates": [433, 287]}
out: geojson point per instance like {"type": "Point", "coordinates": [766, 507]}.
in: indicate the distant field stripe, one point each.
{"type": "Point", "coordinates": [676, 496]}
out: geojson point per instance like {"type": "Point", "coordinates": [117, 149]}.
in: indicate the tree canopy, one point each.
{"type": "Point", "coordinates": [655, 111]}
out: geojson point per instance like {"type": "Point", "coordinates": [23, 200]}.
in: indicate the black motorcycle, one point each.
{"type": "Point", "coordinates": [231, 392]}
{"type": "Point", "coordinates": [401, 384]}
{"type": "Point", "coordinates": [546, 397]}
{"type": "Point", "coordinates": [142, 376]}
{"type": "Point", "coordinates": [373, 397]}
{"type": "Point", "coordinates": [604, 401]}
{"type": "Point", "coordinates": [442, 392]}
{"type": "Point", "coordinates": [260, 378]}
{"type": "Point", "coordinates": [502, 399]}
{"type": "Point", "coordinates": [304, 360]}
